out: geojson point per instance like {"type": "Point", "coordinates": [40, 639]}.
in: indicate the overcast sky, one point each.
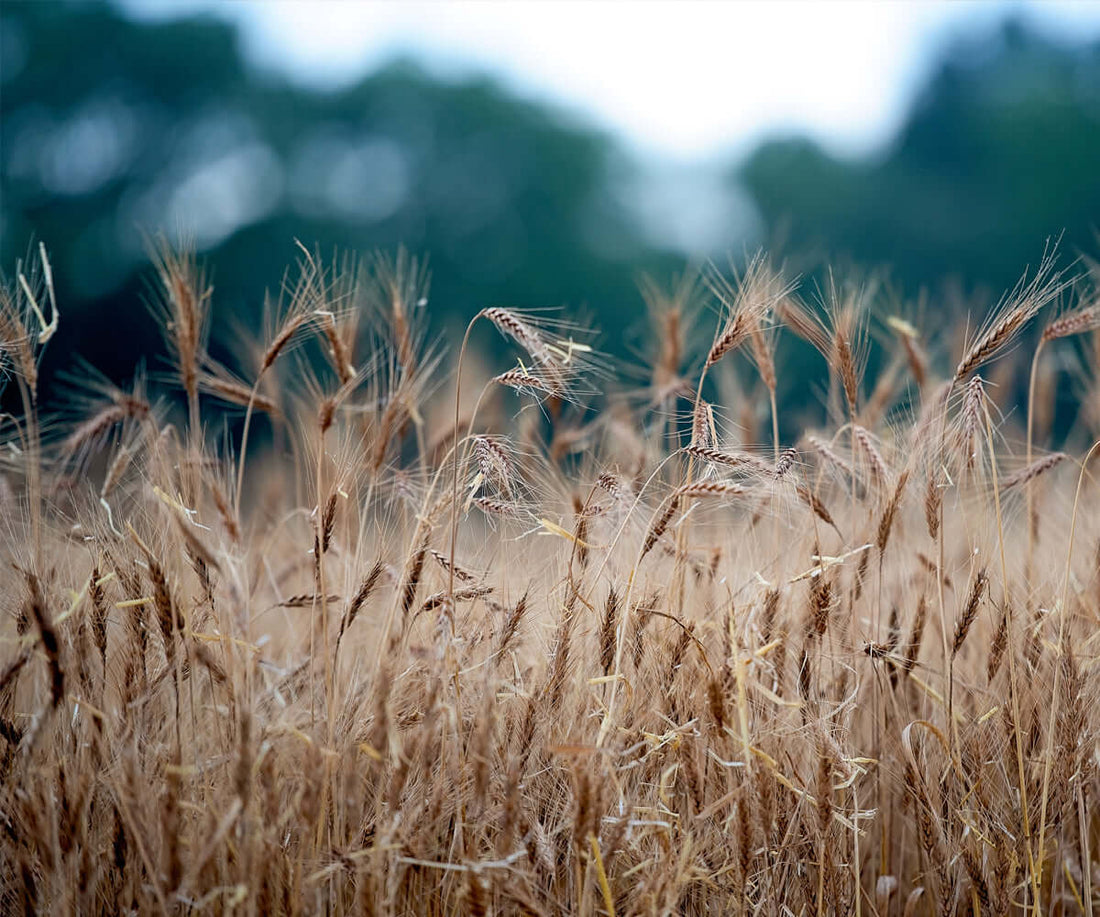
{"type": "Point", "coordinates": [685, 79]}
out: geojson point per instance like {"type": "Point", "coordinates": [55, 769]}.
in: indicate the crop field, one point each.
{"type": "Point", "coordinates": [358, 620]}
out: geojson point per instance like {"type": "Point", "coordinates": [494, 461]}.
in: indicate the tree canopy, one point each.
{"type": "Point", "coordinates": [999, 152]}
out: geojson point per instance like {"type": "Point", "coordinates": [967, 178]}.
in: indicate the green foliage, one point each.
{"type": "Point", "coordinates": [998, 153]}
{"type": "Point", "coordinates": [114, 129]}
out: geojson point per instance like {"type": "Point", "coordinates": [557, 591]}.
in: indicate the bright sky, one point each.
{"type": "Point", "coordinates": [685, 80]}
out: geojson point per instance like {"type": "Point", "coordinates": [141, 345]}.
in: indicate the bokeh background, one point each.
{"type": "Point", "coordinates": [539, 154]}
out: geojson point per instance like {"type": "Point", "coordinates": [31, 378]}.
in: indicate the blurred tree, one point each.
{"type": "Point", "coordinates": [1000, 151]}
{"type": "Point", "coordinates": [113, 130]}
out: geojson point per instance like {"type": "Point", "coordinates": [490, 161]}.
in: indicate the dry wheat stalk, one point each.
{"type": "Point", "coordinates": [588, 730]}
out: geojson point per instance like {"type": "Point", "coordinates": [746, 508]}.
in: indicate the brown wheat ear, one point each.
{"type": "Point", "coordinates": [1021, 305]}
{"type": "Point", "coordinates": [970, 612]}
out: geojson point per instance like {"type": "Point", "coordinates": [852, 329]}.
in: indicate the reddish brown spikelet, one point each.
{"type": "Point", "coordinates": [225, 511]}
{"type": "Point", "coordinates": [94, 430]}
{"type": "Point", "coordinates": [716, 702]}
{"type": "Point", "coordinates": [932, 501]}
{"type": "Point", "coordinates": [1079, 321]}
{"type": "Point", "coordinates": [560, 660]}
{"type": "Point", "coordinates": [870, 451]}
{"type": "Point", "coordinates": [830, 455]}
{"type": "Point", "coordinates": [660, 524]}
{"type": "Point", "coordinates": [525, 381]}
{"type": "Point", "coordinates": [916, 634]}
{"type": "Point", "coordinates": [580, 532]}
{"type": "Point", "coordinates": [846, 368]}
{"type": "Point", "coordinates": [165, 609]}
{"type": "Point", "coordinates": [787, 458]}
{"type": "Point", "coordinates": [1032, 471]}
{"type": "Point", "coordinates": [290, 326]}
{"type": "Point", "coordinates": [511, 624]}
{"type": "Point", "coordinates": [460, 574]}
{"type": "Point", "coordinates": [998, 647]}
{"type": "Point", "coordinates": [48, 635]}
{"type": "Point", "coordinates": [495, 463]}
{"type": "Point", "coordinates": [498, 507]}
{"type": "Point", "coordinates": [962, 629]}
{"type": "Point", "coordinates": [476, 905]}
{"type": "Point", "coordinates": [732, 336]}
{"type": "Point", "coordinates": [814, 503]}
{"type": "Point", "coordinates": [667, 367]}
{"type": "Point", "coordinates": [612, 485]}
{"type": "Point", "coordinates": [307, 600]}
{"type": "Point", "coordinates": [974, 871]}
{"type": "Point", "coordinates": [733, 459]}
{"type": "Point", "coordinates": [237, 393]}
{"type": "Point", "coordinates": [187, 310]}
{"type": "Point", "coordinates": [116, 470]}
{"type": "Point", "coordinates": [972, 410]}
{"type": "Point", "coordinates": [607, 631]}
{"type": "Point", "coordinates": [170, 823]}
{"type": "Point", "coordinates": [338, 350]}
{"type": "Point", "coordinates": [1020, 306]}
{"type": "Point", "coordinates": [709, 489]}
{"type": "Point", "coordinates": [701, 424]}
{"type": "Point", "coordinates": [692, 779]}
{"type": "Point", "coordinates": [412, 580]}
{"type": "Point", "coordinates": [362, 594]}
{"type": "Point", "coordinates": [803, 323]}
{"type": "Point", "coordinates": [886, 521]}
{"type": "Point", "coordinates": [512, 325]}
{"type": "Point", "coordinates": [328, 523]}
{"type": "Point", "coordinates": [917, 359]}
{"type": "Point", "coordinates": [439, 599]}
{"type": "Point", "coordinates": [821, 598]}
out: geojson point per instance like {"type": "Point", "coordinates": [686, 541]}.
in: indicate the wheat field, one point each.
{"type": "Point", "coordinates": [365, 624]}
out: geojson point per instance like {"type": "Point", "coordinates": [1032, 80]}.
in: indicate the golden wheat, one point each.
{"type": "Point", "coordinates": [640, 669]}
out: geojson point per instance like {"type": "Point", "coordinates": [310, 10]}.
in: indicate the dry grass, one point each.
{"type": "Point", "coordinates": [511, 648]}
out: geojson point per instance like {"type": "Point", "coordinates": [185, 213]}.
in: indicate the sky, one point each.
{"type": "Point", "coordinates": [679, 82]}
